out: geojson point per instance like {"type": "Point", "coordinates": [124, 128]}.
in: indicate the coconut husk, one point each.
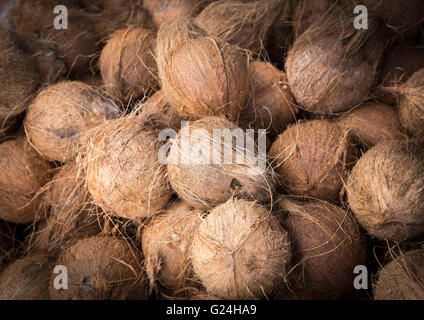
{"type": "Point", "coordinates": [26, 279]}
{"type": "Point", "coordinates": [23, 174]}
{"type": "Point", "coordinates": [327, 246]}
{"type": "Point", "coordinates": [402, 278]}
{"type": "Point", "coordinates": [61, 114]}
{"type": "Point", "coordinates": [271, 105]}
{"type": "Point", "coordinates": [312, 157]}
{"type": "Point", "coordinates": [128, 66]}
{"type": "Point", "coordinates": [243, 24]}
{"type": "Point", "coordinates": [124, 175]}
{"type": "Point", "coordinates": [101, 268]}
{"type": "Point", "coordinates": [201, 75]}
{"type": "Point", "coordinates": [385, 190]}
{"type": "Point", "coordinates": [240, 251]}
{"type": "Point", "coordinates": [7, 240]}
{"type": "Point", "coordinates": [373, 123]}
{"type": "Point", "coordinates": [220, 179]}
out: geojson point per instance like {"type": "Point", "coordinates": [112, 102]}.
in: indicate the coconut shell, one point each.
{"type": "Point", "coordinates": [26, 279]}
{"type": "Point", "coordinates": [402, 278]}
{"type": "Point", "coordinates": [243, 24]}
{"type": "Point", "coordinates": [165, 240]}
{"type": "Point", "coordinates": [23, 173]}
{"type": "Point", "coordinates": [61, 114]}
{"type": "Point", "coordinates": [19, 77]}
{"type": "Point", "coordinates": [165, 12]}
{"type": "Point", "coordinates": [72, 214]}
{"type": "Point", "coordinates": [240, 251]}
{"type": "Point", "coordinates": [271, 106]}
{"type": "Point", "coordinates": [128, 65]}
{"type": "Point", "coordinates": [386, 190]}
{"type": "Point", "coordinates": [332, 67]}
{"type": "Point", "coordinates": [311, 158]}
{"type": "Point", "coordinates": [201, 75]}
{"type": "Point", "coordinates": [401, 61]}
{"type": "Point", "coordinates": [411, 101]}
{"type": "Point", "coordinates": [124, 175]}
{"type": "Point", "coordinates": [101, 268]}
{"type": "Point", "coordinates": [373, 123]}
{"type": "Point", "coordinates": [220, 180]}
{"type": "Point", "coordinates": [327, 246]}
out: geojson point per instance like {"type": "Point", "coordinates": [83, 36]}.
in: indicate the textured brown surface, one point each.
{"type": "Point", "coordinates": [402, 278]}
{"type": "Point", "coordinates": [311, 158]}
{"type": "Point", "coordinates": [201, 75]}
{"type": "Point", "coordinates": [327, 245]}
{"type": "Point", "coordinates": [240, 251]}
{"type": "Point", "coordinates": [6, 242]}
{"type": "Point", "coordinates": [23, 172]}
{"type": "Point", "coordinates": [201, 181]}
{"type": "Point", "coordinates": [128, 65]}
{"type": "Point", "coordinates": [101, 268]}
{"type": "Point", "coordinates": [61, 114]}
{"type": "Point", "coordinates": [386, 190]}
{"type": "Point", "coordinates": [124, 175]}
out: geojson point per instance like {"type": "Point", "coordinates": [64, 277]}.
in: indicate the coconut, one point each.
{"type": "Point", "coordinates": [158, 109]}
{"type": "Point", "coordinates": [386, 190]}
{"type": "Point", "coordinates": [240, 251]}
{"type": "Point", "coordinates": [411, 111]}
{"type": "Point", "coordinates": [124, 174]}
{"type": "Point", "coordinates": [165, 12]}
{"type": "Point", "coordinates": [373, 123]}
{"type": "Point", "coordinates": [201, 75]}
{"type": "Point", "coordinates": [72, 214]}
{"type": "Point", "coordinates": [6, 19]}
{"type": "Point", "coordinates": [402, 278]}
{"type": "Point", "coordinates": [128, 65]}
{"type": "Point", "coordinates": [26, 279]}
{"type": "Point", "coordinates": [101, 268]}
{"type": "Point", "coordinates": [165, 240]}
{"type": "Point", "coordinates": [243, 24]}
{"type": "Point", "coordinates": [61, 113]}
{"type": "Point", "coordinates": [6, 242]}
{"type": "Point", "coordinates": [22, 175]}
{"type": "Point", "coordinates": [19, 77]}
{"type": "Point", "coordinates": [327, 246]}
{"type": "Point", "coordinates": [271, 105]}
{"type": "Point", "coordinates": [332, 67]}
{"type": "Point", "coordinates": [311, 158]}
{"type": "Point", "coordinates": [401, 62]}
{"type": "Point", "coordinates": [207, 165]}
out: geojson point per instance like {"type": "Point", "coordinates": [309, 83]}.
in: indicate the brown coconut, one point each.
{"type": "Point", "coordinates": [166, 240]}
{"type": "Point", "coordinates": [204, 180]}
{"type": "Point", "coordinates": [165, 12]}
{"type": "Point", "coordinates": [19, 77]}
{"type": "Point", "coordinates": [201, 75]}
{"type": "Point", "coordinates": [373, 123]}
{"type": "Point", "coordinates": [240, 251]}
{"type": "Point", "coordinates": [327, 246]}
{"type": "Point", "coordinates": [271, 105]}
{"type": "Point", "coordinates": [243, 24]}
{"type": "Point", "coordinates": [401, 61]}
{"type": "Point", "coordinates": [128, 66]}
{"type": "Point", "coordinates": [411, 103]}
{"type": "Point", "coordinates": [72, 214]}
{"type": "Point", "coordinates": [124, 174]}
{"type": "Point", "coordinates": [158, 109]}
{"type": "Point", "coordinates": [101, 268]}
{"type": "Point", "coordinates": [402, 278]}
{"type": "Point", "coordinates": [386, 190]}
{"type": "Point", "coordinates": [7, 239]}
{"type": "Point", "coordinates": [27, 279]}
{"type": "Point", "coordinates": [311, 158]}
{"type": "Point", "coordinates": [61, 114]}
{"type": "Point", "coordinates": [23, 173]}
{"type": "Point", "coordinates": [332, 67]}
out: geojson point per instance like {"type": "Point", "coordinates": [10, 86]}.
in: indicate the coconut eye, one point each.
{"type": "Point", "coordinates": [235, 184]}
{"type": "Point", "coordinates": [86, 284]}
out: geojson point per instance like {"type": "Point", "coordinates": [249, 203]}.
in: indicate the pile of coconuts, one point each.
{"type": "Point", "coordinates": [212, 149]}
